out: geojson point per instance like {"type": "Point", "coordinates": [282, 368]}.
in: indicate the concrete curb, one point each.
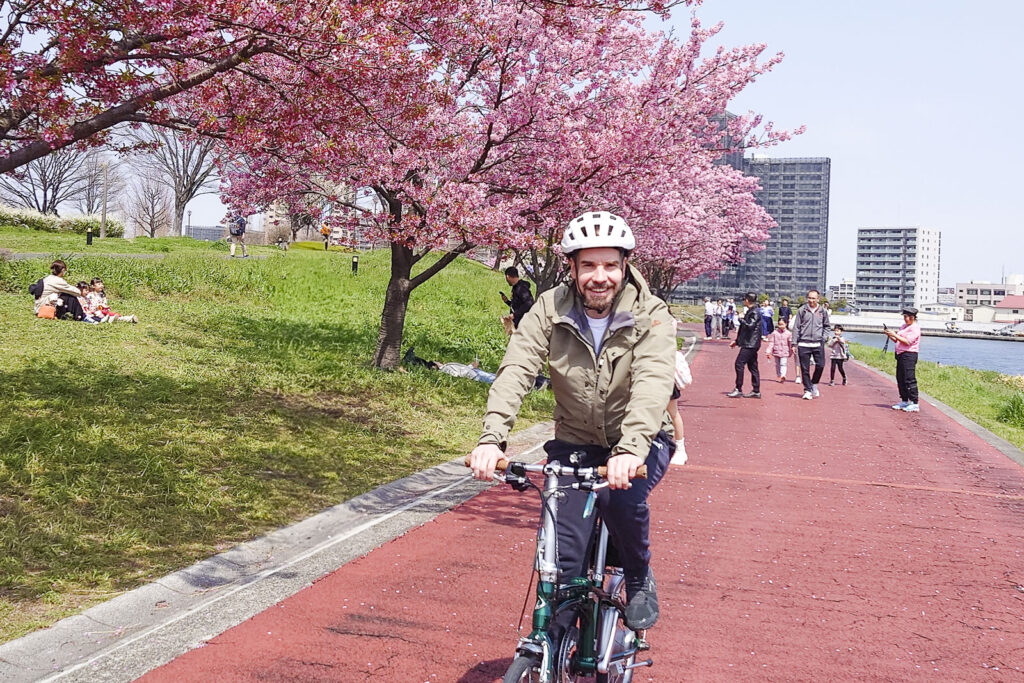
{"type": "Point", "coordinates": [999, 443]}
{"type": "Point", "coordinates": [123, 638]}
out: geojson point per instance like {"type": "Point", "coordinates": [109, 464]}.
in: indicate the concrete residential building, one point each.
{"type": "Point", "coordinates": [897, 267]}
{"type": "Point", "coordinates": [846, 289]}
{"type": "Point", "coordinates": [794, 192]}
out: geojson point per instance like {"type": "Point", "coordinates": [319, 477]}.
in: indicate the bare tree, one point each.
{"type": "Point", "coordinates": [150, 206]}
{"type": "Point", "coordinates": [187, 163]}
{"type": "Point", "coordinates": [90, 197]}
{"type": "Point", "coordinates": [45, 183]}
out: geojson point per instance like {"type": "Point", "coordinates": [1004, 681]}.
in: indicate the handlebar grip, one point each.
{"type": "Point", "coordinates": [501, 465]}
{"type": "Point", "coordinates": [641, 472]}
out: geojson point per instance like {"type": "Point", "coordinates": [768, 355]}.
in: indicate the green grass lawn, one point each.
{"type": "Point", "coordinates": [984, 396]}
{"type": "Point", "coordinates": [243, 401]}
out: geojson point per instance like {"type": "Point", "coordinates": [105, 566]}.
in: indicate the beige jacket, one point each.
{"type": "Point", "coordinates": [617, 400]}
{"type": "Point", "coordinates": [53, 286]}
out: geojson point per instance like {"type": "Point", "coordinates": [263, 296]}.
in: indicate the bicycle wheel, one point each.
{"type": "Point", "coordinates": [522, 670]}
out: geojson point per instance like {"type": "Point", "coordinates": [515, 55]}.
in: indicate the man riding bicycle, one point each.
{"type": "Point", "coordinates": [610, 345]}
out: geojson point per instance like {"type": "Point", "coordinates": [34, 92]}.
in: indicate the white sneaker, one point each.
{"type": "Point", "coordinates": [901, 405]}
{"type": "Point", "coordinates": [911, 408]}
{"type": "Point", "coordinates": [814, 390]}
{"type": "Point", "coordinates": [808, 396]}
{"type": "Point", "coordinates": [796, 381]}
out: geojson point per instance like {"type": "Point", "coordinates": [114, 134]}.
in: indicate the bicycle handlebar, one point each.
{"type": "Point", "coordinates": [602, 471]}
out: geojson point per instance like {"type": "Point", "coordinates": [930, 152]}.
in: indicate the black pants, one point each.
{"type": "Point", "coordinates": [805, 354]}
{"type": "Point", "coordinates": [906, 375]}
{"type": "Point", "coordinates": [747, 358]}
{"type": "Point", "coordinates": [625, 512]}
{"type": "Point", "coordinates": [837, 363]}
{"type": "Point", "coordinates": [71, 308]}
{"type": "Point", "coordinates": [707, 326]}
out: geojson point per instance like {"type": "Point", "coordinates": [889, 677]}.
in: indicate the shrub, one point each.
{"type": "Point", "coordinates": [33, 220]}
{"type": "Point", "coordinates": [1012, 412]}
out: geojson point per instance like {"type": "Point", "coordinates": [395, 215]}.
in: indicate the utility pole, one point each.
{"type": "Point", "coordinates": [103, 216]}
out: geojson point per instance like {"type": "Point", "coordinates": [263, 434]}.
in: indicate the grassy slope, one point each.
{"type": "Point", "coordinates": [978, 394]}
{"type": "Point", "coordinates": [243, 401]}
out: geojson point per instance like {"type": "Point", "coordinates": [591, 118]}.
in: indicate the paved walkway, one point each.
{"type": "Point", "coordinates": [832, 539]}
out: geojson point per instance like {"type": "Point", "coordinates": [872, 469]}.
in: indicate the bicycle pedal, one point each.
{"type": "Point", "coordinates": [637, 665]}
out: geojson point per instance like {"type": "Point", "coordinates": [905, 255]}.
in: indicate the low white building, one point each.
{"type": "Point", "coordinates": [1010, 310]}
{"type": "Point", "coordinates": [980, 314]}
{"type": "Point", "coordinates": [846, 289]}
{"type": "Point", "coordinates": [942, 312]}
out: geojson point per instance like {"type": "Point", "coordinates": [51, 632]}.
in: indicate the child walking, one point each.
{"type": "Point", "coordinates": [840, 354]}
{"type": "Point", "coordinates": [780, 347]}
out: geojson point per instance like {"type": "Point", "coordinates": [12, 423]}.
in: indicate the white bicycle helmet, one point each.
{"type": "Point", "coordinates": [597, 229]}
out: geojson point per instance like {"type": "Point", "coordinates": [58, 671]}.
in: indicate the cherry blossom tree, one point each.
{"type": "Point", "coordinates": [69, 71]}
{"type": "Point", "coordinates": [498, 138]}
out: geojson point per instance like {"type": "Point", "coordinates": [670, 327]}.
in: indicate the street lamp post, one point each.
{"type": "Point", "coordinates": [189, 230]}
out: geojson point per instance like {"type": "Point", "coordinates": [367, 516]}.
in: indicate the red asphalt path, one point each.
{"type": "Point", "coordinates": [833, 539]}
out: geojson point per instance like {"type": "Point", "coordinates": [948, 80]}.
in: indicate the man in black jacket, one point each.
{"type": "Point", "coordinates": [748, 338]}
{"type": "Point", "coordinates": [522, 298]}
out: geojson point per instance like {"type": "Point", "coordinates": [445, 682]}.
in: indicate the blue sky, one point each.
{"type": "Point", "coordinates": [916, 103]}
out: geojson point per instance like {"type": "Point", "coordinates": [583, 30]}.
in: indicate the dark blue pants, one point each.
{"type": "Point", "coordinates": [707, 326]}
{"type": "Point", "coordinates": [625, 512]}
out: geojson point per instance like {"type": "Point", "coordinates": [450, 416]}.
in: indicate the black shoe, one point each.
{"type": "Point", "coordinates": [735, 393]}
{"type": "Point", "coordinates": [753, 394]}
{"type": "Point", "coordinates": [844, 382]}
{"type": "Point", "coordinates": [642, 605]}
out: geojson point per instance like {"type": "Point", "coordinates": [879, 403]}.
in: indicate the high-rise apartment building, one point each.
{"type": "Point", "coordinates": [794, 192]}
{"type": "Point", "coordinates": [897, 267]}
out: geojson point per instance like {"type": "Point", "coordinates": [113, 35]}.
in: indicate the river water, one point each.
{"type": "Point", "coordinates": [981, 354]}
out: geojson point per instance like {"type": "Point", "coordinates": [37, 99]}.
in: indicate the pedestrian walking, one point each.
{"type": "Point", "coordinates": [840, 354]}
{"type": "Point", "coordinates": [810, 329]}
{"type": "Point", "coordinates": [748, 339]}
{"type": "Point", "coordinates": [709, 314]}
{"type": "Point", "coordinates": [716, 319]}
{"type": "Point", "coordinates": [767, 326]}
{"type": "Point", "coordinates": [785, 312]}
{"type": "Point", "coordinates": [729, 319]}
{"type": "Point", "coordinates": [522, 297]}
{"type": "Point", "coordinates": [236, 232]}
{"type": "Point", "coordinates": [908, 344]}
{"type": "Point", "coordinates": [780, 347]}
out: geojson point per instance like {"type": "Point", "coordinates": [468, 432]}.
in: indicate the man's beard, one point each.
{"type": "Point", "coordinates": [599, 302]}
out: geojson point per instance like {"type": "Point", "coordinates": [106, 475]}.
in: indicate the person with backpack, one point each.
{"type": "Point", "coordinates": [236, 232]}
{"type": "Point", "coordinates": [55, 296]}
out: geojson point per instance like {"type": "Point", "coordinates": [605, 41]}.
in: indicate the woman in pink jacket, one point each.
{"type": "Point", "coordinates": [780, 347]}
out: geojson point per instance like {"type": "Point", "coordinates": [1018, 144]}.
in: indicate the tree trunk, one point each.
{"type": "Point", "coordinates": [179, 218]}
{"type": "Point", "coordinates": [396, 303]}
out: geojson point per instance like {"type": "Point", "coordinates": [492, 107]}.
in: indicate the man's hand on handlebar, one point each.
{"type": "Point", "coordinates": [622, 468]}
{"type": "Point", "coordinates": [483, 459]}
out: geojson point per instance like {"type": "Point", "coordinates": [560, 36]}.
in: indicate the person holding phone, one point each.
{"type": "Point", "coordinates": [908, 343]}
{"type": "Point", "coordinates": [522, 297]}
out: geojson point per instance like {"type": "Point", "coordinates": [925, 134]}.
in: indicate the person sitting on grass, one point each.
{"type": "Point", "coordinates": [59, 293]}
{"type": "Point", "coordinates": [91, 314]}
{"type": "Point", "coordinates": [97, 299]}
